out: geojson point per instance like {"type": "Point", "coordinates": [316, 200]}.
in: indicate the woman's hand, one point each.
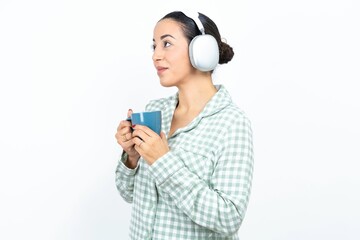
{"type": "Point", "coordinates": [125, 140]}
{"type": "Point", "coordinates": [149, 144]}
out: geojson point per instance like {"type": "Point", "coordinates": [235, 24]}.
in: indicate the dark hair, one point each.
{"type": "Point", "coordinates": [191, 30]}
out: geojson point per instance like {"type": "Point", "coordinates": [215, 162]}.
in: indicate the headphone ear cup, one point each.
{"type": "Point", "coordinates": [204, 52]}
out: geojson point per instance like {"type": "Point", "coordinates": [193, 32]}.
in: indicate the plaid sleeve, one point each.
{"type": "Point", "coordinates": [124, 178]}
{"type": "Point", "coordinates": [219, 204]}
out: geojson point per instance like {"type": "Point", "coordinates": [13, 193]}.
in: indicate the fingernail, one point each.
{"type": "Point", "coordinates": [133, 125]}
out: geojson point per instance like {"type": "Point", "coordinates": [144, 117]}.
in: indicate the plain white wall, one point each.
{"type": "Point", "coordinates": [69, 71]}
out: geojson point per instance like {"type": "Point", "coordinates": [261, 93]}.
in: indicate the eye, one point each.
{"type": "Point", "coordinates": [153, 46]}
{"type": "Point", "coordinates": [167, 44]}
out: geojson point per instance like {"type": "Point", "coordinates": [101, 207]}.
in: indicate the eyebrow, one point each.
{"type": "Point", "coordinates": [164, 36]}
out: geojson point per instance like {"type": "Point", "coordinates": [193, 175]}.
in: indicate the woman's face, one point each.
{"type": "Point", "coordinates": [171, 54]}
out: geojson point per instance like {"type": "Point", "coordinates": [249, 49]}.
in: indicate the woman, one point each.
{"type": "Point", "coordinates": [194, 180]}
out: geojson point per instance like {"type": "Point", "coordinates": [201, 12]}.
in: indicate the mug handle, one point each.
{"type": "Point", "coordinates": [129, 119]}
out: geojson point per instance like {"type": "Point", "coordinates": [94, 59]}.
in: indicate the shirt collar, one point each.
{"type": "Point", "coordinates": [219, 101]}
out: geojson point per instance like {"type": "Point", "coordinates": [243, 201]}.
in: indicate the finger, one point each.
{"type": "Point", "coordinates": [125, 131]}
{"type": "Point", "coordinates": [123, 124]}
{"type": "Point", "coordinates": [163, 137]}
{"type": "Point", "coordinates": [119, 138]}
{"type": "Point", "coordinates": [146, 130]}
{"type": "Point", "coordinates": [142, 135]}
{"type": "Point", "coordinates": [139, 144]}
{"type": "Point", "coordinates": [128, 144]}
{"type": "Point", "coordinates": [124, 134]}
{"type": "Point", "coordinates": [123, 137]}
{"type": "Point", "coordinates": [130, 111]}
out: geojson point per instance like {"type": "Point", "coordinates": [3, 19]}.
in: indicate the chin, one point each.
{"type": "Point", "coordinates": [166, 83]}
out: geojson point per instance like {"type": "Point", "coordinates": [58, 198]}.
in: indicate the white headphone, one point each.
{"type": "Point", "coordinates": [203, 49]}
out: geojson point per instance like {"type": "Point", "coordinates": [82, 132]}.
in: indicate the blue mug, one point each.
{"type": "Point", "coordinates": [150, 119]}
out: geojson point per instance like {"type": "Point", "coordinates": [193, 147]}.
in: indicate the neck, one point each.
{"type": "Point", "coordinates": [195, 94]}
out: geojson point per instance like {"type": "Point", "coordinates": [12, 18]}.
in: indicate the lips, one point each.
{"type": "Point", "coordinates": [160, 70]}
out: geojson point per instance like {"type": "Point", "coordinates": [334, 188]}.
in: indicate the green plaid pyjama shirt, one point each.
{"type": "Point", "coordinates": [200, 189]}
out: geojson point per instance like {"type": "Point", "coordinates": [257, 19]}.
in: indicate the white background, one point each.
{"type": "Point", "coordinates": [70, 69]}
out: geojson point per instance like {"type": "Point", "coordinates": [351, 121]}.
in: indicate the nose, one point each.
{"type": "Point", "coordinates": [158, 54]}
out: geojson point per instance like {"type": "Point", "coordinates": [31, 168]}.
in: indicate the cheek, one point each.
{"type": "Point", "coordinates": [182, 59]}
{"type": "Point", "coordinates": [181, 54]}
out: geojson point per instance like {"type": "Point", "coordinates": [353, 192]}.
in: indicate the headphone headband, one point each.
{"type": "Point", "coordinates": [195, 16]}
